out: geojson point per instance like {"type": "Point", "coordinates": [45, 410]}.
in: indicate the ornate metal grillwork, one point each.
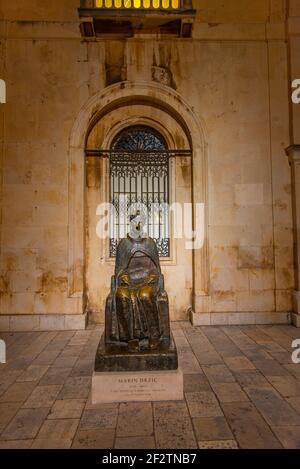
{"type": "Point", "coordinates": [139, 174]}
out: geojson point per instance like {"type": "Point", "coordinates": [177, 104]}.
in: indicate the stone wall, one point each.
{"type": "Point", "coordinates": [233, 74]}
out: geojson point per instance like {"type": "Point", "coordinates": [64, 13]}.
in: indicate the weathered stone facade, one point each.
{"type": "Point", "coordinates": [225, 92]}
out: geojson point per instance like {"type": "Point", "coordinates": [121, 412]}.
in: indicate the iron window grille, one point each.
{"type": "Point", "coordinates": [139, 177]}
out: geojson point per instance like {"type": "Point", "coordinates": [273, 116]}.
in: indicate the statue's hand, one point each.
{"type": "Point", "coordinates": [124, 279]}
{"type": "Point", "coordinates": [152, 279]}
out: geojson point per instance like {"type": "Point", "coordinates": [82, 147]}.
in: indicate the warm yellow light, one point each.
{"type": "Point", "coordinates": [165, 4]}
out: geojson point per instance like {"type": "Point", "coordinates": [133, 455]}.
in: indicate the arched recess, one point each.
{"type": "Point", "coordinates": [162, 98]}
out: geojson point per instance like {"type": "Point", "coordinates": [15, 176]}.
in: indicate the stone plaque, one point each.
{"type": "Point", "coordinates": [137, 386]}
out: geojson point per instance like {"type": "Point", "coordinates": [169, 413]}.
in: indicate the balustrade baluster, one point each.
{"type": "Point", "coordinates": [147, 4]}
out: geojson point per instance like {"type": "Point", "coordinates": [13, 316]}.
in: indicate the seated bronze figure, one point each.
{"type": "Point", "coordinates": [137, 308]}
{"type": "Point", "coordinates": [137, 328]}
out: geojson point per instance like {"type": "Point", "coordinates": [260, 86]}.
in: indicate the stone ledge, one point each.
{"type": "Point", "coordinates": [42, 322]}
{"type": "Point", "coordinates": [239, 319]}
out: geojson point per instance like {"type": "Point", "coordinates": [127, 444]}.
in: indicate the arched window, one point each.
{"type": "Point", "coordinates": [139, 174]}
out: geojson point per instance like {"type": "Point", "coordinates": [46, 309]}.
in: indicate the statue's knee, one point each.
{"type": "Point", "coordinates": [146, 293]}
{"type": "Point", "coordinates": [123, 293]}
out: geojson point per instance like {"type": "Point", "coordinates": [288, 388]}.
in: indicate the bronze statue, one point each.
{"type": "Point", "coordinates": [137, 309]}
{"type": "Point", "coordinates": [137, 328]}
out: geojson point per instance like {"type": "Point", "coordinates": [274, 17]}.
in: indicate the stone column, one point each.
{"type": "Point", "coordinates": [293, 153]}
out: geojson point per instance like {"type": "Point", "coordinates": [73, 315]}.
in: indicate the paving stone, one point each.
{"type": "Point", "coordinates": [276, 411]}
{"type": "Point", "coordinates": [284, 358]}
{"type": "Point", "coordinates": [67, 409]}
{"type": "Point", "coordinates": [18, 392]}
{"type": "Point", "coordinates": [55, 376]}
{"type": "Point", "coordinates": [33, 373]}
{"type": "Point", "coordinates": [211, 429]}
{"type": "Point", "coordinates": [294, 369]}
{"type": "Point", "coordinates": [83, 368]}
{"type": "Point", "coordinates": [295, 403]}
{"type": "Point", "coordinates": [287, 386]}
{"type": "Point", "coordinates": [65, 362]}
{"type": "Point", "coordinates": [226, 444]}
{"type": "Point", "coordinates": [94, 439]}
{"type": "Point", "coordinates": [238, 337]}
{"type": "Point", "coordinates": [76, 388]}
{"type": "Point", "coordinates": [102, 417]}
{"type": "Point", "coordinates": [7, 378]}
{"type": "Point", "coordinates": [56, 346]}
{"type": "Point", "coordinates": [251, 378]}
{"type": "Point", "coordinates": [289, 436]}
{"type": "Point", "coordinates": [173, 427]}
{"type": "Point", "coordinates": [203, 404]}
{"type": "Point", "coordinates": [195, 382]}
{"type": "Point", "coordinates": [218, 374]}
{"type": "Point", "coordinates": [249, 428]}
{"type": "Point", "coordinates": [135, 442]}
{"type": "Point", "coordinates": [16, 444]}
{"type": "Point", "coordinates": [71, 351]}
{"type": "Point", "coordinates": [257, 334]}
{"type": "Point", "coordinates": [239, 363]}
{"type": "Point", "coordinates": [188, 362]}
{"type": "Point", "coordinates": [222, 344]}
{"type": "Point", "coordinates": [65, 336]}
{"type": "Point", "coordinates": [229, 392]}
{"type": "Point", "coordinates": [210, 357]}
{"type": "Point", "coordinates": [270, 368]}
{"type": "Point", "coordinates": [25, 425]}
{"type": "Point", "coordinates": [135, 419]}
{"type": "Point", "coordinates": [42, 396]}
{"type": "Point", "coordinates": [7, 411]}
{"type": "Point", "coordinates": [46, 357]}
{"type": "Point", "coordinates": [229, 352]}
{"type": "Point", "coordinates": [181, 341]}
{"type": "Point", "coordinates": [256, 353]}
{"type": "Point", "coordinates": [19, 363]}
{"type": "Point", "coordinates": [46, 443]}
{"type": "Point", "coordinates": [63, 429]}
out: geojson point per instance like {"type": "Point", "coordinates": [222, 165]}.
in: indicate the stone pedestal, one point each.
{"type": "Point", "coordinates": [137, 386]}
{"type": "Point", "coordinates": [144, 375]}
{"type": "Point", "coordinates": [113, 359]}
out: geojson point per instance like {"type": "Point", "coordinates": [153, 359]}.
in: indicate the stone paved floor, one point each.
{"type": "Point", "coordinates": [241, 391]}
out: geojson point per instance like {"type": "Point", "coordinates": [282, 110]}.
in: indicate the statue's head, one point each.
{"type": "Point", "coordinates": [137, 222]}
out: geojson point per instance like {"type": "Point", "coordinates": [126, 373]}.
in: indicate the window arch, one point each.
{"type": "Point", "coordinates": [139, 174]}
